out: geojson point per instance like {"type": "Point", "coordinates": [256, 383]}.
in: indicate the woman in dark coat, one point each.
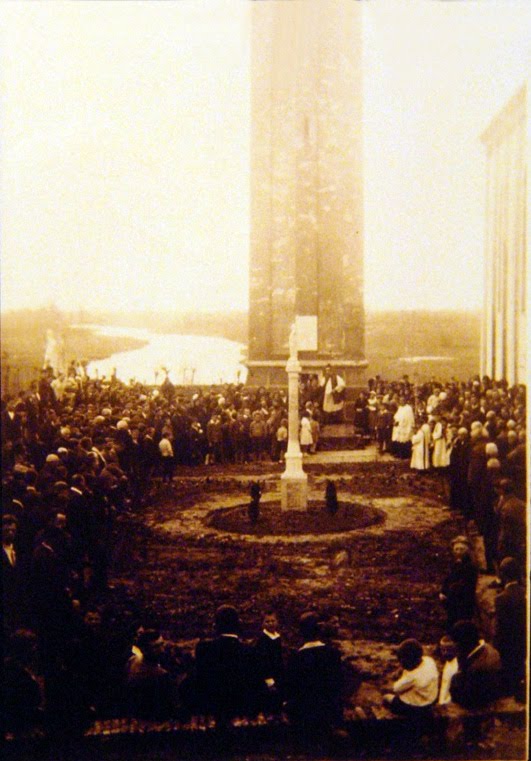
{"type": "Point", "coordinates": [458, 591]}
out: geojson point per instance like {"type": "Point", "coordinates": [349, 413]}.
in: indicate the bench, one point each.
{"type": "Point", "coordinates": [372, 728]}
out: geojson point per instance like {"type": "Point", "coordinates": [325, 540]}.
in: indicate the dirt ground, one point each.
{"type": "Point", "coordinates": [192, 549]}
{"type": "Point", "coordinates": [374, 585]}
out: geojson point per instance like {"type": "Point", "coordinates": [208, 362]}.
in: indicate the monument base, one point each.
{"type": "Point", "coordinates": [272, 373]}
{"type": "Point", "coordinates": [294, 491]}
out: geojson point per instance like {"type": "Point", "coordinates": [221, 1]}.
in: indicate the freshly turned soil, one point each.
{"type": "Point", "coordinates": [273, 521]}
{"type": "Point", "coordinates": [386, 592]}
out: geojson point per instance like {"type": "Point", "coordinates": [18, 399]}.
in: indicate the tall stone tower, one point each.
{"type": "Point", "coordinates": [306, 188]}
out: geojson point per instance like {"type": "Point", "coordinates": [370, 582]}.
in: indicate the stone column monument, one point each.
{"type": "Point", "coordinates": [294, 481]}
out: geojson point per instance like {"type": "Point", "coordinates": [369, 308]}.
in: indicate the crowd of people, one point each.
{"type": "Point", "coordinates": [76, 451]}
{"type": "Point", "coordinates": [475, 434]}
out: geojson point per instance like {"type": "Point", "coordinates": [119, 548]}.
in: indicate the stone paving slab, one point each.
{"type": "Point", "coordinates": [339, 456]}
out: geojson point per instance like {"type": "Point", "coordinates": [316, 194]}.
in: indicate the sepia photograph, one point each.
{"type": "Point", "coordinates": [264, 361]}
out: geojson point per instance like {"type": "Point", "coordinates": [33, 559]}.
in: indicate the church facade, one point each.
{"type": "Point", "coordinates": [306, 263]}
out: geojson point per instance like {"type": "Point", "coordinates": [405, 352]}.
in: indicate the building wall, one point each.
{"type": "Point", "coordinates": [306, 178]}
{"type": "Point", "coordinates": [504, 334]}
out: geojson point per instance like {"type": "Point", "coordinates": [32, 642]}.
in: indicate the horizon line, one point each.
{"type": "Point", "coordinates": [139, 312]}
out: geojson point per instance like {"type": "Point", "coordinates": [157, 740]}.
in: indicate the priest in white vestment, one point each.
{"type": "Point", "coordinates": [333, 398]}
{"type": "Point", "coordinates": [404, 425]}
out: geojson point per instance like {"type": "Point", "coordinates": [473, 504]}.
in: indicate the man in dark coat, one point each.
{"type": "Point", "coordinates": [12, 580]}
{"type": "Point", "coordinates": [81, 522]}
{"type": "Point", "coordinates": [225, 683]}
{"type": "Point", "coordinates": [20, 690]}
{"type": "Point", "coordinates": [458, 471]}
{"type": "Point", "coordinates": [477, 682]}
{"type": "Point", "coordinates": [458, 591]}
{"type": "Point", "coordinates": [51, 584]}
{"type": "Point", "coordinates": [477, 466]}
{"type": "Point", "coordinates": [34, 516]}
{"type": "Point", "coordinates": [314, 682]}
{"type": "Point", "coordinates": [516, 467]}
{"type": "Point", "coordinates": [511, 512]}
{"type": "Point", "coordinates": [11, 428]}
{"type": "Point", "coordinates": [151, 691]}
{"type": "Point", "coordinates": [510, 638]}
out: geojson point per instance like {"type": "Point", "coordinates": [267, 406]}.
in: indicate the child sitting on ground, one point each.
{"type": "Point", "coordinates": [448, 652]}
{"type": "Point", "coordinates": [417, 688]}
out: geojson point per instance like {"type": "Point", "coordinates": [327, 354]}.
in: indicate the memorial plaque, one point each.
{"type": "Point", "coordinates": [294, 492]}
{"type": "Point", "coordinates": [307, 332]}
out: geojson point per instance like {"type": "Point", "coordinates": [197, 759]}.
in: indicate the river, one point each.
{"type": "Point", "coordinates": [190, 360]}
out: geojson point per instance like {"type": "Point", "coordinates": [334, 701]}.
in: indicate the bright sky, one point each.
{"type": "Point", "coordinates": [124, 151]}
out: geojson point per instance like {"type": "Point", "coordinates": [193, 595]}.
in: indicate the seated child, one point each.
{"type": "Point", "coordinates": [448, 651]}
{"type": "Point", "coordinates": [417, 688]}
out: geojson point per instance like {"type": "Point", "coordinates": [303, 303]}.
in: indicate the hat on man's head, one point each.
{"type": "Point", "coordinates": [52, 458]}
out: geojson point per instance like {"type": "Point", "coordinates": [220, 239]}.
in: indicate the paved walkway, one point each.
{"type": "Point", "coordinates": [339, 456]}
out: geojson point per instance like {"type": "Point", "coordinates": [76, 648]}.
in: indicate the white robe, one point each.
{"type": "Point", "coordinates": [449, 670]}
{"type": "Point", "coordinates": [403, 432]}
{"type": "Point", "coordinates": [440, 455]}
{"type": "Point", "coordinates": [420, 453]}
{"type": "Point", "coordinates": [328, 401]}
{"type": "Point", "coordinates": [306, 432]}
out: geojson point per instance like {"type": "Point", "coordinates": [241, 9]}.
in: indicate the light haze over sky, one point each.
{"type": "Point", "coordinates": [125, 150]}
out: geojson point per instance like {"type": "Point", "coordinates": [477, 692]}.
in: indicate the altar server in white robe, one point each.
{"type": "Point", "coordinates": [440, 455]}
{"type": "Point", "coordinates": [420, 447]}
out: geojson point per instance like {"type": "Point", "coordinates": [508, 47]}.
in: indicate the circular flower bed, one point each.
{"type": "Point", "coordinates": [274, 521]}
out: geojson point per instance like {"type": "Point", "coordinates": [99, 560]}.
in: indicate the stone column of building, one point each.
{"type": "Point", "coordinates": [306, 188]}
{"type": "Point", "coordinates": [504, 332]}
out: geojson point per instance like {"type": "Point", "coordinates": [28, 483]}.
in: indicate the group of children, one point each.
{"type": "Point", "coordinates": [419, 688]}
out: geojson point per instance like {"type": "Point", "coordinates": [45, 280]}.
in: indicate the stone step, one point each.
{"type": "Point", "coordinates": [337, 431]}
{"type": "Point", "coordinates": [341, 436]}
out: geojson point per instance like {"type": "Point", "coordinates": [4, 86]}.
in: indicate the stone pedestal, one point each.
{"type": "Point", "coordinates": [294, 481]}
{"type": "Point", "coordinates": [272, 373]}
